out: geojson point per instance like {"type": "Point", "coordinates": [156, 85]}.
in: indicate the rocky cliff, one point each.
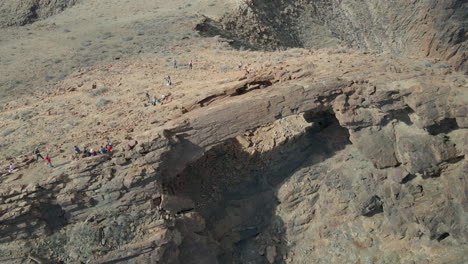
{"type": "Point", "coordinates": [354, 153]}
{"type": "Point", "coordinates": [436, 29]}
{"type": "Point", "coordinates": [290, 165]}
{"type": "Point", "coordinates": [21, 12]}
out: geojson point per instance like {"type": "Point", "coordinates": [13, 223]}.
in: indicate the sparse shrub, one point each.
{"type": "Point", "coordinates": [441, 65]}
{"type": "Point", "coordinates": [26, 114]}
{"type": "Point", "coordinates": [86, 43]}
{"type": "Point", "coordinates": [105, 35]}
{"type": "Point", "coordinates": [98, 91]}
{"type": "Point", "coordinates": [102, 102]}
{"type": "Point", "coordinates": [112, 124]}
{"type": "Point", "coordinates": [56, 61]}
{"type": "Point", "coordinates": [225, 68]}
{"type": "Point", "coordinates": [7, 132]}
{"type": "Point", "coordinates": [127, 38]}
{"type": "Point", "coordinates": [426, 63]}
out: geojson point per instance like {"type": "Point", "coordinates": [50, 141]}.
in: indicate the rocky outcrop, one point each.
{"type": "Point", "coordinates": [299, 170]}
{"type": "Point", "coordinates": [22, 12]}
{"type": "Point", "coordinates": [435, 29]}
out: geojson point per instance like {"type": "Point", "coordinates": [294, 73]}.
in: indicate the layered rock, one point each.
{"type": "Point", "coordinates": [275, 169]}
{"type": "Point", "coordinates": [435, 29]}
{"type": "Point", "coordinates": [22, 12]}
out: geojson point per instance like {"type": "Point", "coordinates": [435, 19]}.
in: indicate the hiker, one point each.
{"type": "Point", "coordinates": [154, 101]}
{"type": "Point", "coordinates": [102, 150]}
{"type": "Point", "coordinates": [147, 96]}
{"type": "Point", "coordinates": [93, 152]}
{"type": "Point", "coordinates": [164, 98]}
{"type": "Point", "coordinates": [38, 154]}
{"type": "Point", "coordinates": [49, 161]}
{"type": "Point", "coordinates": [109, 142]}
{"type": "Point", "coordinates": [108, 148]}
{"type": "Point", "coordinates": [175, 64]}
{"type": "Point", "coordinates": [240, 65]}
{"type": "Point", "coordinates": [86, 153]}
{"type": "Point", "coordinates": [77, 150]}
{"type": "Point", "coordinates": [190, 64]}
{"type": "Point", "coordinates": [12, 168]}
{"type": "Point", "coordinates": [168, 80]}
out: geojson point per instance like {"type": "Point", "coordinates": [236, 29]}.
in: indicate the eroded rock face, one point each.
{"type": "Point", "coordinates": [301, 170]}
{"type": "Point", "coordinates": [22, 12]}
{"type": "Point", "coordinates": [435, 29]}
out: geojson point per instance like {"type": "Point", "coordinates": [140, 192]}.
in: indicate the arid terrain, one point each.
{"type": "Point", "coordinates": [306, 131]}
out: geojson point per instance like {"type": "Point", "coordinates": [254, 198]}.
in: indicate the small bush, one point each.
{"type": "Point", "coordinates": [225, 68]}
{"type": "Point", "coordinates": [281, 57]}
{"type": "Point", "coordinates": [105, 35]}
{"type": "Point", "coordinates": [102, 102]}
{"type": "Point", "coordinates": [127, 38]}
{"type": "Point", "coordinates": [426, 63]}
{"type": "Point", "coordinates": [8, 132]}
{"type": "Point", "coordinates": [98, 91]}
{"type": "Point", "coordinates": [441, 65]}
{"type": "Point", "coordinates": [26, 114]}
{"type": "Point", "coordinates": [86, 43]}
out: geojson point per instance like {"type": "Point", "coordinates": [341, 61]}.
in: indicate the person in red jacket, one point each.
{"type": "Point", "coordinates": [109, 148]}
{"type": "Point", "coordinates": [49, 161]}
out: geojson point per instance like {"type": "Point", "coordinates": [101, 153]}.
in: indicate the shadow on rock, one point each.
{"type": "Point", "coordinates": [233, 194]}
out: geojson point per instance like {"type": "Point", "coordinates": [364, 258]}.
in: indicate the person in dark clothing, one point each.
{"type": "Point", "coordinates": [77, 150]}
{"type": "Point", "coordinates": [38, 154]}
{"type": "Point", "coordinates": [86, 153]}
{"type": "Point", "coordinates": [190, 64]}
{"type": "Point", "coordinates": [148, 97]}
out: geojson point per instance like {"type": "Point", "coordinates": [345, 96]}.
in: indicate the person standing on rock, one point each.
{"type": "Point", "coordinates": [148, 96]}
{"type": "Point", "coordinates": [102, 150]}
{"type": "Point", "coordinates": [12, 167]}
{"type": "Point", "coordinates": [38, 154]}
{"type": "Point", "coordinates": [49, 161]}
{"type": "Point", "coordinates": [77, 150]}
{"type": "Point", "coordinates": [190, 64]}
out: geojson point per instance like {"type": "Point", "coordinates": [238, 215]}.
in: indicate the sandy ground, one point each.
{"type": "Point", "coordinates": [35, 57]}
